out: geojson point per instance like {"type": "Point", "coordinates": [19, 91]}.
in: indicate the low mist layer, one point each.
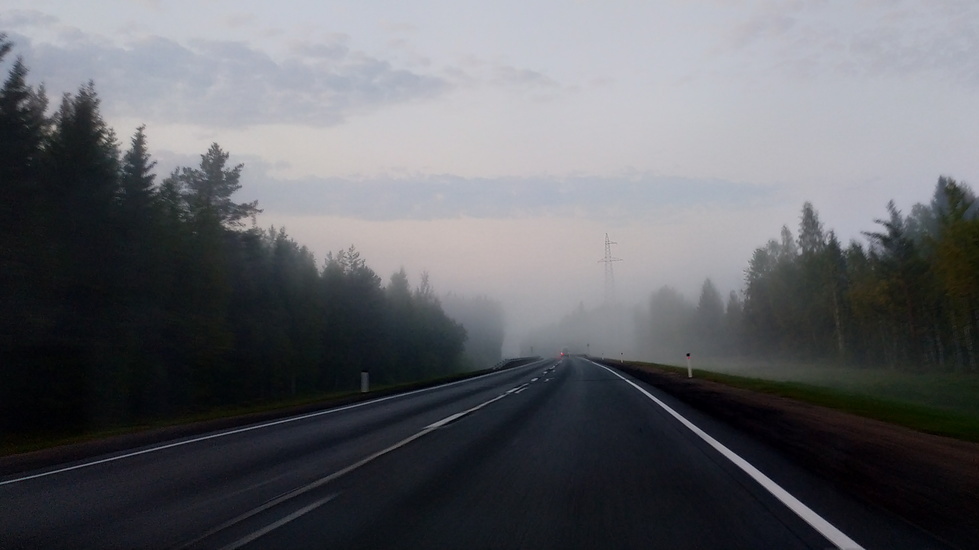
{"type": "Point", "coordinates": [907, 298]}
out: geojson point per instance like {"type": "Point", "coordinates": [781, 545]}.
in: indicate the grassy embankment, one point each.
{"type": "Point", "coordinates": [22, 443]}
{"type": "Point", "coordinates": [941, 404]}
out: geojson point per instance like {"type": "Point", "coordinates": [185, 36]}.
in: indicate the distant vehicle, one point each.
{"type": "Point", "coordinates": [565, 352]}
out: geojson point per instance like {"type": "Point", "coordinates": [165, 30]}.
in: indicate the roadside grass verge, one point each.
{"type": "Point", "coordinates": [16, 443]}
{"type": "Point", "coordinates": [940, 404]}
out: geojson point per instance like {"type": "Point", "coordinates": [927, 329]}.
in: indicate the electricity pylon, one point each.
{"type": "Point", "coordinates": [609, 274]}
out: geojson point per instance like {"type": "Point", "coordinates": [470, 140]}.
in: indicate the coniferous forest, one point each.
{"type": "Point", "coordinates": [904, 297]}
{"type": "Point", "coordinates": [127, 299]}
{"type": "Point", "coordinates": [907, 298]}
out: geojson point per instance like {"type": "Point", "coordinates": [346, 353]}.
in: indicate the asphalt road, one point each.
{"type": "Point", "coordinates": [555, 454]}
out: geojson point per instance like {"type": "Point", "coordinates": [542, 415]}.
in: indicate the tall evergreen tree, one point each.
{"type": "Point", "coordinates": [812, 240]}
{"type": "Point", "coordinates": [29, 308]}
{"type": "Point", "coordinates": [137, 178]}
{"type": "Point", "coordinates": [23, 128]}
{"type": "Point", "coordinates": [23, 132]}
{"type": "Point", "coordinates": [813, 295]}
{"type": "Point", "coordinates": [354, 322]}
{"type": "Point", "coordinates": [208, 190]}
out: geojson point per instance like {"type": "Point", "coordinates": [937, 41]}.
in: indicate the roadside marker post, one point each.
{"type": "Point", "coordinates": [365, 381]}
{"type": "Point", "coordinates": [689, 370]}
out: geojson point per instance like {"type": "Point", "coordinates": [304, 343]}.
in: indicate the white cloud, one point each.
{"type": "Point", "coordinates": [863, 39]}
{"type": "Point", "coordinates": [26, 19]}
{"type": "Point", "coordinates": [512, 76]}
{"type": "Point", "coordinates": [225, 84]}
{"type": "Point", "coordinates": [233, 84]}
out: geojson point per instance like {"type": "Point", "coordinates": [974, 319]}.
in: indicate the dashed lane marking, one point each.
{"type": "Point", "coordinates": [269, 528]}
{"type": "Point", "coordinates": [327, 479]}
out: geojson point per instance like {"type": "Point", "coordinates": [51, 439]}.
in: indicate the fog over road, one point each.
{"type": "Point", "coordinates": [556, 454]}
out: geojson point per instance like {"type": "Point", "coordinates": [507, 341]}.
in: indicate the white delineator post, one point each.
{"type": "Point", "coordinates": [365, 381]}
{"type": "Point", "coordinates": [689, 370]}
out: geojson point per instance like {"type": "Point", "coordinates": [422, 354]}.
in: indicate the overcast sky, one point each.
{"type": "Point", "coordinates": [495, 143]}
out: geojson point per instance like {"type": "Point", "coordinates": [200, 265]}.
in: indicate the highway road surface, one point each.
{"type": "Point", "coordinates": [560, 453]}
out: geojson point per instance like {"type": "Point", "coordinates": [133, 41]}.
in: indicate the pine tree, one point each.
{"type": "Point", "coordinates": [23, 132]}
{"type": "Point", "coordinates": [208, 190]}
{"type": "Point", "coordinates": [137, 179]}
{"type": "Point", "coordinates": [23, 128]}
{"type": "Point", "coordinates": [812, 240]}
{"type": "Point", "coordinates": [815, 291]}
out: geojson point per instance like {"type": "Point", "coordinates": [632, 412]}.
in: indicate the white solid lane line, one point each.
{"type": "Point", "coordinates": [242, 430]}
{"type": "Point", "coordinates": [269, 528]}
{"type": "Point", "coordinates": [817, 522]}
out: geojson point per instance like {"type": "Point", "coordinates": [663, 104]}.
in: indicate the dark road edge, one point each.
{"type": "Point", "coordinates": [821, 525]}
{"type": "Point", "coordinates": [24, 462]}
{"type": "Point", "coordinates": [917, 487]}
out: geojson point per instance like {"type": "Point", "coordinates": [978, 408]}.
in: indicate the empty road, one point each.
{"type": "Point", "coordinates": [561, 453]}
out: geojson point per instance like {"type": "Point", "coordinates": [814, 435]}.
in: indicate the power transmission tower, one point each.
{"type": "Point", "coordinates": [609, 274]}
